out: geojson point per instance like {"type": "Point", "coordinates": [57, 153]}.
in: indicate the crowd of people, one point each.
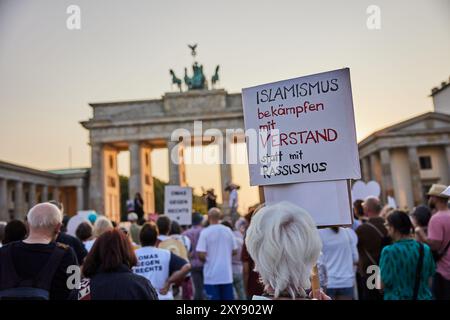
{"type": "Point", "coordinates": [268, 254]}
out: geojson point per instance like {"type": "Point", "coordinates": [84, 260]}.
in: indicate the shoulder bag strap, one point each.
{"type": "Point", "coordinates": [45, 276]}
{"type": "Point", "coordinates": [381, 236]}
{"type": "Point", "coordinates": [370, 257]}
{"type": "Point", "coordinates": [418, 272]}
{"type": "Point", "coordinates": [376, 229]}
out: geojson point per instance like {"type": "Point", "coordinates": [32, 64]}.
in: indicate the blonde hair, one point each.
{"type": "Point", "coordinates": [284, 242]}
{"type": "Point", "coordinates": [101, 225]}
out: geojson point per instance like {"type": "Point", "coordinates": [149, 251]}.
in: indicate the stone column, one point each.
{"type": "Point", "coordinates": [110, 185]}
{"type": "Point", "coordinates": [365, 168]}
{"type": "Point", "coordinates": [176, 165]}
{"type": "Point", "coordinates": [141, 178]}
{"type": "Point", "coordinates": [56, 193]}
{"type": "Point", "coordinates": [225, 171]}
{"type": "Point", "coordinates": [146, 181]}
{"type": "Point", "coordinates": [414, 168]}
{"type": "Point", "coordinates": [96, 182]}
{"type": "Point", "coordinates": [32, 195]}
{"type": "Point", "coordinates": [387, 184]}
{"type": "Point", "coordinates": [80, 198]}
{"type": "Point", "coordinates": [44, 194]}
{"type": "Point", "coordinates": [373, 168]}
{"type": "Point", "coordinates": [19, 208]}
{"type": "Point", "coordinates": [4, 215]}
{"type": "Point", "coordinates": [181, 166]}
{"type": "Point", "coordinates": [135, 169]}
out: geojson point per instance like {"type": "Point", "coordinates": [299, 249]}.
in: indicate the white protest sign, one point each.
{"type": "Point", "coordinates": [303, 130]}
{"type": "Point", "coordinates": [178, 204]}
{"type": "Point", "coordinates": [391, 202]}
{"type": "Point", "coordinates": [327, 202]}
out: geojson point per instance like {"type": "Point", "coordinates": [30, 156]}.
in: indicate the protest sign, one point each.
{"type": "Point", "coordinates": [391, 202]}
{"type": "Point", "coordinates": [301, 130]}
{"type": "Point", "coordinates": [178, 204]}
{"type": "Point", "coordinates": [328, 202]}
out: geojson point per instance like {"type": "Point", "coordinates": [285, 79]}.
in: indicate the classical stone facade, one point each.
{"type": "Point", "coordinates": [142, 126]}
{"type": "Point", "coordinates": [22, 187]}
{"type": "Point", "coordinates": [408, 157]}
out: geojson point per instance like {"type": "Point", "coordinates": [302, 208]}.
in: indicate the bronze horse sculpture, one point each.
{"type": "Point", "coordinates": [215, 77]}
{"type": "Point", "coordinates": [175, 80]}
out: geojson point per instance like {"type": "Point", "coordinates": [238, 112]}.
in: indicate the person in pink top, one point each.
{"type": "Point", "coordinates": [439, 241]}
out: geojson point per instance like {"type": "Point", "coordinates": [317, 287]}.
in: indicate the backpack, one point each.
{"type": "Point", "coordinates": [12, 287]}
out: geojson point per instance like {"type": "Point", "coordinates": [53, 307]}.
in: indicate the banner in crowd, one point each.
{"type": "Point", "coordinates": [328, 202]}
{"type": "Point", "coordinates": [304, 130]}
{"type": "Point", "coordinates": [178, 204]}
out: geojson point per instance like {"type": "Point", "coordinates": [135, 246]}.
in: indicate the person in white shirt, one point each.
{"type": "Point", "coordinates": [216, 246]}
{"type": "Point", "coordinates": [160, 266]}
{"type": "Point", "coordinates": [340, 255]}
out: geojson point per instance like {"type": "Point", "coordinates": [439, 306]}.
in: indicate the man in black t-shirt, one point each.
{"type": "Point", "coordinates": [27, 260]}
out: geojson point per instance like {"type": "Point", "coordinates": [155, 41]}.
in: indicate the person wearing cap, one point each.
{"type": "Point", "coordinates": [193, 233]}
{"type": "Point", "coordinates": [438, 239]}
{"type": "Point", "coordinates": [135, 229]}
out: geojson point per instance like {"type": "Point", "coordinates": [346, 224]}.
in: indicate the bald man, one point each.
{"type": "Point", "coordinates": [36, 268]}
{"type": "Point", "coordinates": [216, 246]}
{"type": "Point", "coordinates": [372, 237]}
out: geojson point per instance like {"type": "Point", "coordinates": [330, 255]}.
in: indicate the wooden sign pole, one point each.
{"type": "Point", "coordinates": [315, 283]}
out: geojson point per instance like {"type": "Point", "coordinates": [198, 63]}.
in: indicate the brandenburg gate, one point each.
{"type": "Point", "coordinates": [142, 126]}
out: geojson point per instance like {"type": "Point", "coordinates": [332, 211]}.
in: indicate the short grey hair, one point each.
{"type": "Point", "coordinates": [214, 213]}
{"type": "Point", "coordinates": [284, 242]}
{"type": "Point", "coordinates": [44, 216]}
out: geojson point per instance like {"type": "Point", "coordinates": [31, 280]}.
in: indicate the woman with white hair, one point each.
{"type": "Point", "coordinates": [101, 225]}
{"type": "Point", "coordinates": [283, 241]}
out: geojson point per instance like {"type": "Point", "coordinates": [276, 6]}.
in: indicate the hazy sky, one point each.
{"type": "Point", "coordinates": [49, 74]}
